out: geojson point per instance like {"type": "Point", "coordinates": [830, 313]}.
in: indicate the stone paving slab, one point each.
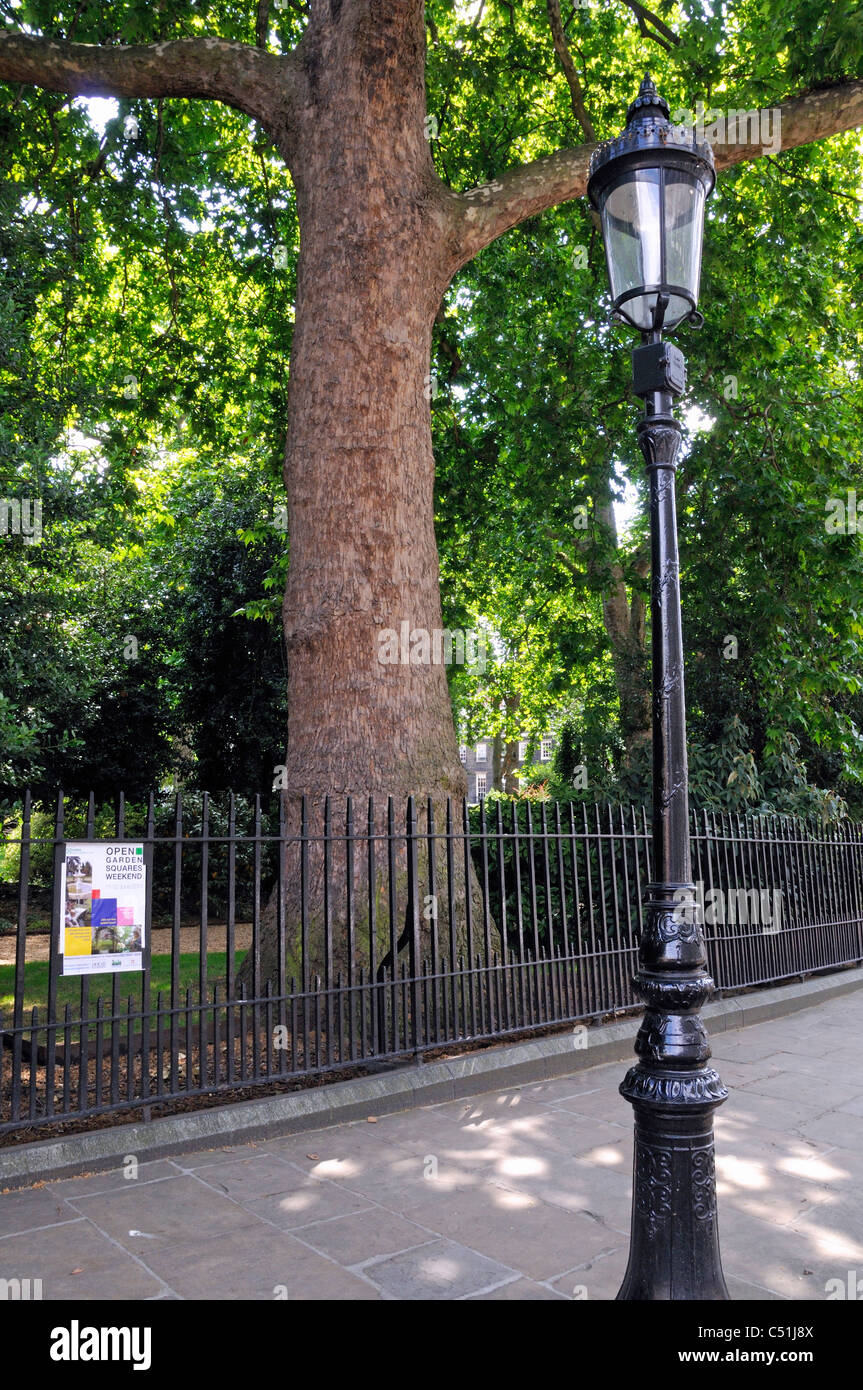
{"type": "Point", "coordinates": [519, 1194]}
{"type": "Point", "coordinates": [440, 1270]}
{"type": "Point", "coordinates": [309, 1199]}
{"type": "Point", "coordinates": [76, 1260]}
{"type": "Point", "coordinates": [258, 1262]}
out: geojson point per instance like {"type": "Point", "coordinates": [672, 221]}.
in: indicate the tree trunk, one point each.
{"type": "Point", "coordinates": [510, 768]}
{"type": "Point", "coordinates": [623, 617]}
{"type": "Point", "coordinates": [624, 621]}
{"type": "Point", "coordinates": [359, 468]}
{"type": "Point", "coordinates": [497, 757]}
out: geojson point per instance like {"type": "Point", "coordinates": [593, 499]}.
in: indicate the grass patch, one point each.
{"type": "Point", "coordinates": [36, 976]}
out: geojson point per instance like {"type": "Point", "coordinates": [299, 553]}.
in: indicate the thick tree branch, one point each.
{"type": "Point", "coordinates": [481, 214]}
{"type": "Point", "coordinates": [645, 18]}
{"type": "Point", "coordinates": [247, 78]}
{"type": "Point", "coordinates": [561, 48]}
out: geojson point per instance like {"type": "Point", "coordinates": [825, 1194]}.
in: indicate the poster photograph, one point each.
{"type": "Point", "coordinates": [103, 895]}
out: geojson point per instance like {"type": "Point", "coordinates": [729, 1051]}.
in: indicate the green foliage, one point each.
{"type": "Point", "coordinates": [142, 254]}
{"type": "Point", "coordinates": [231, 684]}
{"type": "Point", "coordinates": [144, 333]}
{"type": "Point", "coordinates": [534, 431]}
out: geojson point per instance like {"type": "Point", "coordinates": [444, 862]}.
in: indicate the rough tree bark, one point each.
{"type": "Point", "coordinates": [509, 760]}
{"type": "Point", "coordinates": [381, 238]}
{"type": "Point", "coordinates": [359, 469]}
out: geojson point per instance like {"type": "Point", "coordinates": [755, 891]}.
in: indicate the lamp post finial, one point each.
{"type": "Point", "coordinates": [648, 104]}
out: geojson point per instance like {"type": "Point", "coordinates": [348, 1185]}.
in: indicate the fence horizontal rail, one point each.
{"type": "Point", "coordinates": [292, 939]}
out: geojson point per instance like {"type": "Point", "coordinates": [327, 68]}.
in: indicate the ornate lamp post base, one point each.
{"type": "Point", "coordinates": [674, 1247]}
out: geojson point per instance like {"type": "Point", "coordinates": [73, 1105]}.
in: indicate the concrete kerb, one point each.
{"type": "Point", "coordinates": [492, 1069]}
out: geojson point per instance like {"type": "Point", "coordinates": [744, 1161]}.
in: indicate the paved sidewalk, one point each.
{"type": "Point", "coordinates": [520, 1194]}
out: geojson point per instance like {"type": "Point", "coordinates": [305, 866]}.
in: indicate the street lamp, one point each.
{"type": "Point", "coordinates": [650, 185]}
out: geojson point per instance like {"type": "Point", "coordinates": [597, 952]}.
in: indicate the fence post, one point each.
{"type": "Point", "coordinates": [57, 926]}
{"type": "Point", "coordinates": [414, 919]}
{"type": "Point", "coordinates": [20, 958]}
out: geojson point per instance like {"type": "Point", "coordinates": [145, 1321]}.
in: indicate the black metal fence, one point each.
{"type": "Point", "coordinates": [297, 940]}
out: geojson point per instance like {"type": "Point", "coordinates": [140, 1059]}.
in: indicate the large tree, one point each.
{"type": "Point", "coordinates": [382, 235]}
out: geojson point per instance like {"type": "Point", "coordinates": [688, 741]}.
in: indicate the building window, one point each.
{"type": "Point", "coordinates": [522, 750]}
{"type": "Point", "coordinates": [480, 785]}
{"type": "Point", "coordinates": [462, 752]}
{"type": "Point", "coordinates": [480, 752]}
{"type": "Point", "coordinates": [545, 749]}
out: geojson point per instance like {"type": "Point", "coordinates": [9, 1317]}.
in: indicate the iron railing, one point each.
{"type": "Point", "coordinates": [302, 939]}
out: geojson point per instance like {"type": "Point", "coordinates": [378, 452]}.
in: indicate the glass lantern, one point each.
{"type": "Point", "coordinates": [650, 185]}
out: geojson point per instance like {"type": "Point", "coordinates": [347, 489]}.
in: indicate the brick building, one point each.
{"type": "Point", "coordinates": [477, 760]}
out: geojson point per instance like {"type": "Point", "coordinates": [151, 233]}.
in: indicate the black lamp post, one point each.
{"type": "Point", "coordinates": [650, 185]}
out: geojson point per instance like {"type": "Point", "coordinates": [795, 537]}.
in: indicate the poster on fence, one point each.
{"type": "Point", "coordinates": [103, 896]}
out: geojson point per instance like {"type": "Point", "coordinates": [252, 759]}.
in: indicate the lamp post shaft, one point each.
{"type": "Point", "coordinates": [659, 435]}
{"type": "Point", "coordinates": [674, 1247]}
